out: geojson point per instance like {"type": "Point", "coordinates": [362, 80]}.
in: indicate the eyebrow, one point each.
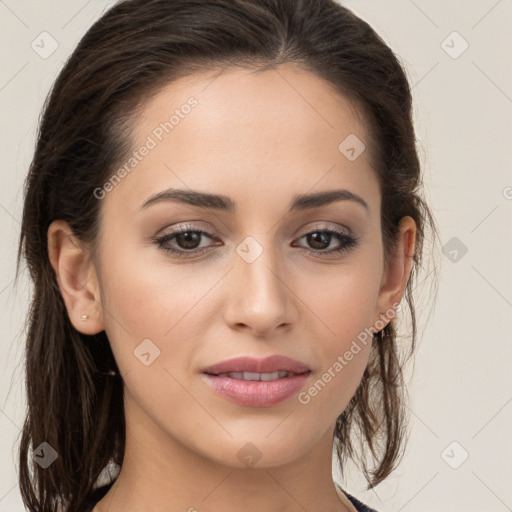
{"type": "Point", "coordinates": [224, 203]}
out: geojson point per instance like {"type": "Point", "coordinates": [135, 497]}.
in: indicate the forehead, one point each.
{"type": "Point", "coordinates": [240, 132]}
{"type": "Point", "coordinates": [235, 101]}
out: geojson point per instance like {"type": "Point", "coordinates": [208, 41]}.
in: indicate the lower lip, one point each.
{"type": "Point", "coordinates": [256, 393]}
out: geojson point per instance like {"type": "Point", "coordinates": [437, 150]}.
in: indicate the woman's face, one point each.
{"type": "Point", "coordinates": [261, 280]}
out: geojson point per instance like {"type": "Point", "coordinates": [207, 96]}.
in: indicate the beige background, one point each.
{"type": "Point", "coordinates": [461, 386]}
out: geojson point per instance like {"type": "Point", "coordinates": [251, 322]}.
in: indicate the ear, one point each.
{"type": "Point", "coordinates": [396, 275]}
{"type": "Point", "coordinates": [76, 277]}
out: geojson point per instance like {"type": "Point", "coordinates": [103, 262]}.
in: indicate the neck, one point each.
{"type": "Point", "coordinates": [159, 473]}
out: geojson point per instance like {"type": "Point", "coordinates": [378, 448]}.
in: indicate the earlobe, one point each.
{"type": "Point", "coordinates": [396, 276]}
{"type": "Point", "coordinates": [76, 277]}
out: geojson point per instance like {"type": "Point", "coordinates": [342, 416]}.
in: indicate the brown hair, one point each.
{"type": "Point", "coordinates": [128, 55]}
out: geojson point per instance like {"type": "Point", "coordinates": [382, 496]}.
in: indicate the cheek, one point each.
{"type": "Point", "coordinates": [139, 293]}
{"type": "Point", "coordinates": [340, 308]}
{"type": "Point", "coordinates": [148, 298]}
{"type": "Point", "coordinates": [149, 328]}
{"type": "Point", "coordinates": [341, 302]}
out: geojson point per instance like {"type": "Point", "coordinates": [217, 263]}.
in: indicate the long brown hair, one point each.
{"type": "Point", "coordinates": [132, 51]}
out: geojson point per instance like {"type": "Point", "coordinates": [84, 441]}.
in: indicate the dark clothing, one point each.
{"type": "Point", "coordinates": [97, 494]}
{"type": "Point", "coordinates": [361, 507]}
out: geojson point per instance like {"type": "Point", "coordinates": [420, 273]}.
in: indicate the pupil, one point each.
{"type": "Point", "coordinates": [315, 237]}
{"type": "Point", "coordinates": [189, 236]}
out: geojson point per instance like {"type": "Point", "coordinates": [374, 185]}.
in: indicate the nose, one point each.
{"type": "Point", "coordinates": [261, 296]}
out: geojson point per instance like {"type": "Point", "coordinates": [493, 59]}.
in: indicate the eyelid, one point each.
{"type": "Point", "coordinates": [323, 225]}
{"type": "Point", "coordinates": [349, 241]}
{"type": "Point", "coordinates": [192, 225]}
{"type": "Point", "coordinates": [212, 232]}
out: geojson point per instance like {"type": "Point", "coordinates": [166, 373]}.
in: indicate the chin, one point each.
{"type": "Point", "coordinates": [260, 451]}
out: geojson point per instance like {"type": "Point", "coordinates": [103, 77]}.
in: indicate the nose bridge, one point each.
{"type": "Point", "coordinates": [261, 294]}
{"type": "Point", "coordinates": [258, 263]}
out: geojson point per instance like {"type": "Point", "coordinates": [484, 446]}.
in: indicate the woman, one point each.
{"type": "Point", "coordinates": [222, 216]}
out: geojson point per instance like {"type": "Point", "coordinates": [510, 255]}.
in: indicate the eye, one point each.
{"type": "Point", "coordinates": [188, 239]}
{"type": "Point", "coordinates": [320, 239]}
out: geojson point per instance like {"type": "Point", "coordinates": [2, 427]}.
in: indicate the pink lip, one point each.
{"type": "Point", "coordinates": [249, 364]}
{"type": "Point", "coordinates": [256, 393]}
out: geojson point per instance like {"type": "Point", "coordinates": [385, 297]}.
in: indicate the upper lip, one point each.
{"type": "Point", "coordinates": [250, 364]}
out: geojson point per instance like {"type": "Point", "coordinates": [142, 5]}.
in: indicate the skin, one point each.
{"type": "Point", "coordinates": [260, 139]}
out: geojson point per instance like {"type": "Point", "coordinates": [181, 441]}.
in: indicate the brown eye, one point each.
{"type": "Point", "coordinates": [186, 241]}
{"type": "Point", "coordinates": [320, 239]}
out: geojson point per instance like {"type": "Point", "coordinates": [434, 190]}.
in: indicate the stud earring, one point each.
{"type": "Point", "coordinates": [84, 317]}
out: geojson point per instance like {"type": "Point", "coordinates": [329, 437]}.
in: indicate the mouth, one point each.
{"type": "Point", "coordinates": [255, 389]}
{"type": "Point", "coordinates": [253, 382]}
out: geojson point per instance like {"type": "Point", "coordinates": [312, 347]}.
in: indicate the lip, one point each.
{"type": "Point", "coordinates": [256, 393]}
{"type": "Point", "coordinates": [269, 364]}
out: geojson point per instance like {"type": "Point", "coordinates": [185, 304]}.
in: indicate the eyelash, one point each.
{"type": "Point", "coordinates": [349, 241]}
